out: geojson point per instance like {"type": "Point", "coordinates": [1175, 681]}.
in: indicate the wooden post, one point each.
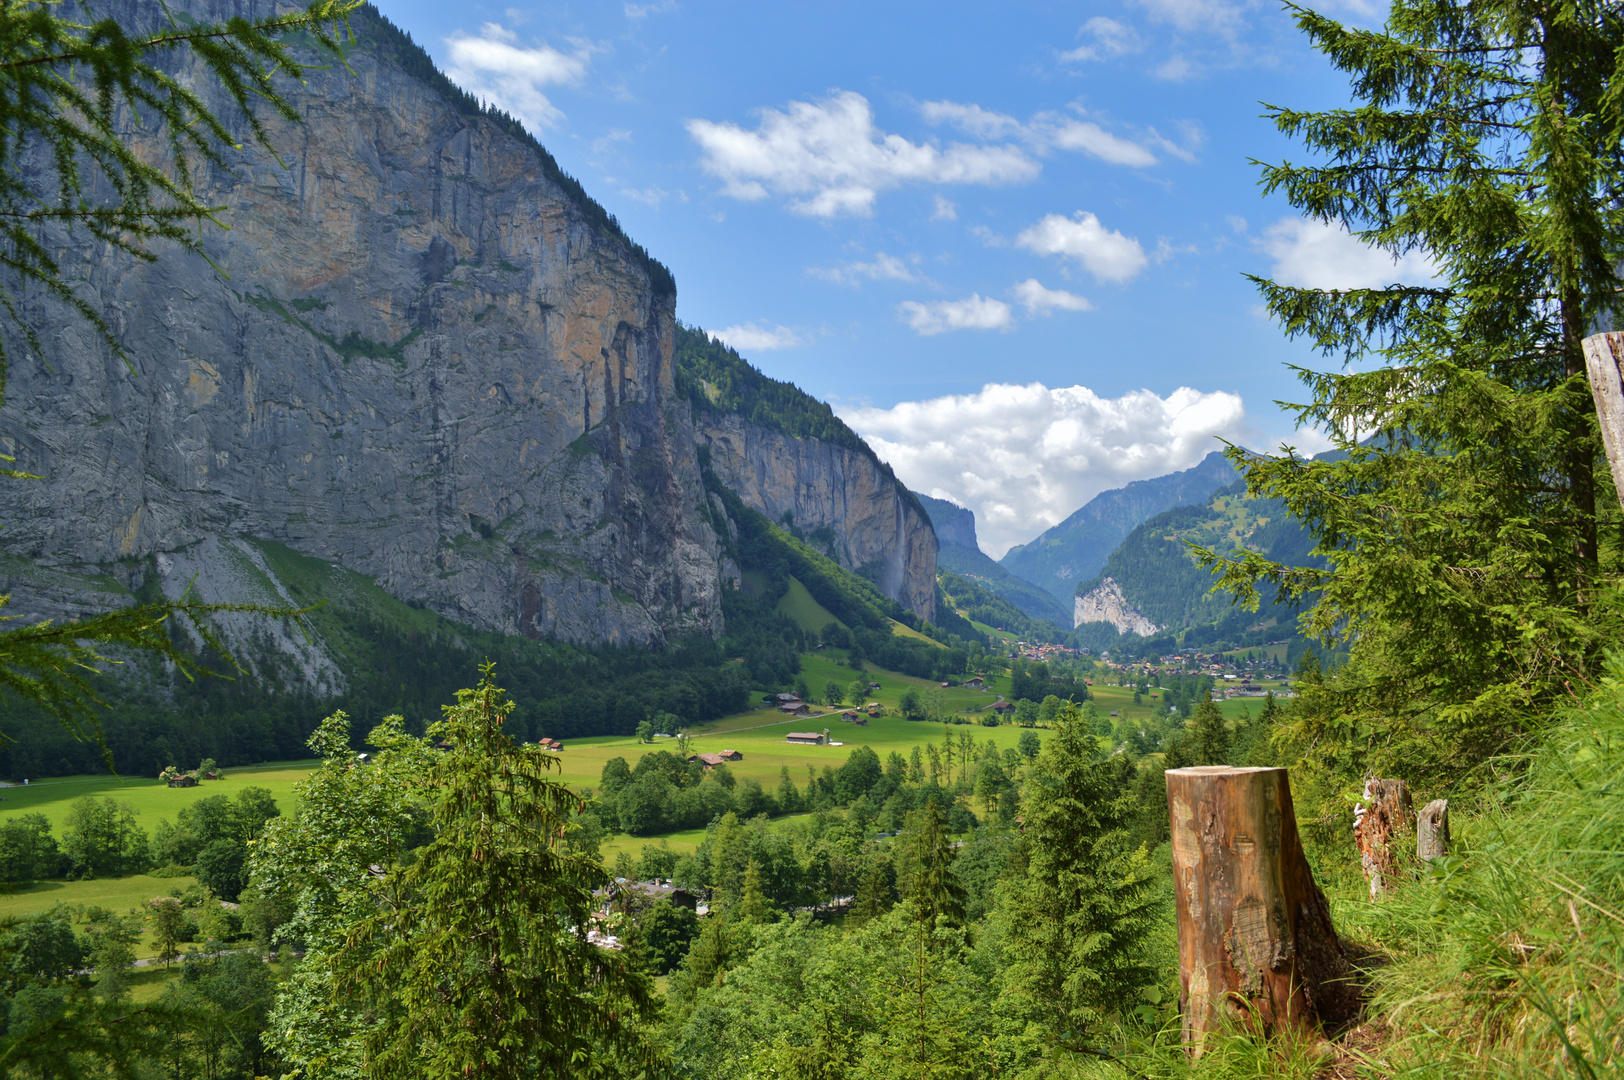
{"type": "Point", "coordinates": [1255, 936]}
{"type": "Point", "coordinates": [1432, 831]}
{"type": "Point", "coordinates": [1604, 363]}
{"type": "Point", "coordinates": [1380, 826]}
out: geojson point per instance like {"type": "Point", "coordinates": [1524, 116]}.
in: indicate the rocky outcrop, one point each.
{"type": "Point", "coordinates": [1105, 603]}
{"type": "Point", "coordinates": [422, 358]}
{"type": "Point", "coordinates": [953, 523]}
{"type": "Point", "coordinates": [839, 498]}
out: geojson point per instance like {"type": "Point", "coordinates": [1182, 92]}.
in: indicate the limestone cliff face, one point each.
{"type": "Point", "coordinates": [427, 364]}
{"type": "Point", "coordinates": [834, 491]}
{"type": "Point", "coordinates": [1105, 603]}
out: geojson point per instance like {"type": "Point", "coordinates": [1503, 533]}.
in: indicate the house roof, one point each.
{"type": "Point", "coordinates": [804, 735]}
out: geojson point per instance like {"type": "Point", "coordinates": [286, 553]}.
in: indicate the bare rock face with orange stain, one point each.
{"type": "Point", "coordinates": [421, 357]}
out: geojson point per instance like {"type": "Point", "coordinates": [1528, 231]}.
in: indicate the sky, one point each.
{"type": "Point", "coordinates": [1006, 243]}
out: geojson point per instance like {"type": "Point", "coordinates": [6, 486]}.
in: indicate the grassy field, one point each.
{"type": "Point", "coordinates": [806, 612]}
{"type": "Point", "coordinates": [151, 799]}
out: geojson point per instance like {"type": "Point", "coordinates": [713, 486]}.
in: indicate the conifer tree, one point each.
{"type": "Point", "coordinates": [936, 891]}
{"type": "Point", "coordinates": [1208, 738]}
{"type": "Point", "coordinates": [1459, 523]}
{"type": "Point", "coordinates": [1078, 913]}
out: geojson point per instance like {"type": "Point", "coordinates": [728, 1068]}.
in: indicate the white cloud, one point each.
{"type": "Point", "coordinates": [1044, 132]}
{"type": "Point", "coordinates": [1110, 38]}
{"type": "Point", "coordinates": [1025, 457]}
{"type": "Point", "coordinates": [1041, 301]}
{"type": "Point", "coordinates": [1196, 15]}
{"type": "Point", "coordinates": [831, 159]}
{"type": "Point", "coordinates": [495, 68]}
{"type": "Point", "coordinates": [1176, 69]}
{"type": "Point", "coordinates": [1321, 255]}
{"type": "Point", "coordinates": [1193, 137]}
{"type": "Point", "coordinates": [945, 210]}
{"type": "Point", "coordinates": [753, 338]}
{"type": "Point", "coordinates": [639, 12]}
{"type": "Point", "coordinates": [1108, 255]}
{"type": "Point", "coordinates": [883, 268]}
{"type": "Point", "coordinates": [1093, 139]}
{"type": "Point", "coordinates": [971, 119]}
{"type": "Point", "coordinates": [651, 196]}
{"type": "Point", "coordinates": [971, 313]}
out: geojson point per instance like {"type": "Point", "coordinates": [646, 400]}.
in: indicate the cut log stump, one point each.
{"type": "Point", "coordinates": [1381, 829]}
{"type": "Point", "coordinates": [1256, 942]}
{"type": "Point", "coordinates": [1604, 363]}
{"type": "Point", "coordinates": [1432, 831]}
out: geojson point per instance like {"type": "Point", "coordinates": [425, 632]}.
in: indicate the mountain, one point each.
{"type": "Point", "coordinates": [1151, 584]}
{"type": "Point", "coordinates": [961, 553]}
{"type": "Point", "coordinates": [427, 358]}
{"type": "Point", "coordinates": [1077, 548]}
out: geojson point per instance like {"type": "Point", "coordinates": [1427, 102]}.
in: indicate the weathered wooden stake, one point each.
{"type": "Point", "coordinates": [1381, 825]}
{"type": "Point", "coordinates": [1432, 831]}
{"type": "Point", "coordinates": [1604, 363]}
{"type": "Point", "coordinates": [1255, 936]}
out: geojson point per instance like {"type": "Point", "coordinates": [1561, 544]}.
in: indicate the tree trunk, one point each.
{"type": "Point", "coordinates": [1604, 363]}
{"type": "Point", "coordinates": [1380, 826]}
{"type": "Point", "coordinates": [1432, 831]}
{"type": "Point", "coordinates": [1256, 942]}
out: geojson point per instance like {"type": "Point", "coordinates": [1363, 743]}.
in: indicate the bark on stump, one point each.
{"type": "Point", "coordinates": [1432, 831]}
{"type": "Point", "coordinates": [1256, 942]}
{"type": "Point", "coordinates": [1380, 827]}
{"type": "Point", "coordinates": [1604, 363]}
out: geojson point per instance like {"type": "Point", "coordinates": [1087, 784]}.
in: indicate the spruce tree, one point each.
{"type": "Point", "coordinates": [935, 890]}
{"type": "Point", "coordinates": [1208, 739]}
{"type": "Point", "coordinates": [1078, 913]}
{"type": "Point", "coordinates": [1459, 524]}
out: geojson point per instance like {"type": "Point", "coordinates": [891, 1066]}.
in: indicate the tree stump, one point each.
{"type": "Point", "coordinates": [1432, 831]}
{"type": "Point", "coordinates": [1380, 826]}
{"type": "Point", "coordinates": [1256, 942]}
{"type": "Point", "coordinates": [1604, 363]}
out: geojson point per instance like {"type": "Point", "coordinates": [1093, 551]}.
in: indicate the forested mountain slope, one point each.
{"type": "Point", "coordinates": [1075, 550]}
{"type": "Point", "coordinates": [961, 553]}
{"type": "Point", "coordinates": [1151, 584]}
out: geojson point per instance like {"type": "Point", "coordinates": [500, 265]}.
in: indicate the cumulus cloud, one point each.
{"type": "Point", "coordinates": [1108, 38]}
{"type": "Point", "coordinates": [1025, 457]}
{"type": "Point", "coordinates": [972, 313]}
{"type": "Point", "coordinates": [1038, 300]}
{"type": "Point", "coordinates": [971, 119]}
{"type": "Point", "coordinates": [495, 67]}
{"type": "Point", "coordinates": [1106, 254]}
{"type": "Point", "coordinates": [752, 338]}
{"type": "Point", "coordinates": [1322, 255]}
{"type": "Point", "coordinates": [830, 159]}
{"type": "Point", "coordinates": [883, 268]}
{"type": "Point", "coordinates": [944, 211]}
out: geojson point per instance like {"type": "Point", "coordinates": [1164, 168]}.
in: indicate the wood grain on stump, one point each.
{"type": "Point", "coordinates": [1256, 942]}
{"type": "Point", "coordinates": [1381, 830]}
{"type": "Point", "coordinates": [1432, 831]}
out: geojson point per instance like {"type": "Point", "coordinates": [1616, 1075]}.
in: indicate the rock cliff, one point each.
{"type": "Point", "coordinates": [1105, 603]}
{"type": "Point", "coordinates": [424, 356]}
{"type": "Point", "coordinates": [839, 498]}
{"type": "Point", "coordinates": [428, 363]}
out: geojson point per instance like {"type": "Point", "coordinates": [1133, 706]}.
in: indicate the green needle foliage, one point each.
{"type": "Point", "coordinates": [1461, 520]}
{"type": "Point", "coordinates": [476, 960]}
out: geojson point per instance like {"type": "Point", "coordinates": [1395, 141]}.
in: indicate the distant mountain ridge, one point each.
{"type": "Point", "coordinates": [1076, 549]}
{"type": "Point", "coordinates": [961, 553]}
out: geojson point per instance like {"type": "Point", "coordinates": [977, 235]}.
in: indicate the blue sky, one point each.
{"type": "Point", "coordinates": [1005, 242]}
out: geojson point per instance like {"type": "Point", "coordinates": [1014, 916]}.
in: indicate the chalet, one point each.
{"type": "Point", "coordinates": [795, 708]}
{"type": "Point", "coordinates": [708, 761]}
{"type": "Point", "coordinates": [852, 716]}
{"type": "Point", "coordinates": [977, 683]}
{"type": "Point", "coordinates": [785, 699]}
{"type": "Point", "coordinates": [731, 755]}
{"type": "Point", "coordinates": [183, 780]}
{"type": "Point", "coordinates": [645, 892]}
{"type": "Point", "coordinates": [550, 744]}
{"type": "Point", "coordinates": [1003, 707]}
{"type": "Point", "coordinates": [872, 708]}
{"type": "Point", "coordinates": [873, 686]}
{"type": "Point", "coordinates": [804, 738]}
